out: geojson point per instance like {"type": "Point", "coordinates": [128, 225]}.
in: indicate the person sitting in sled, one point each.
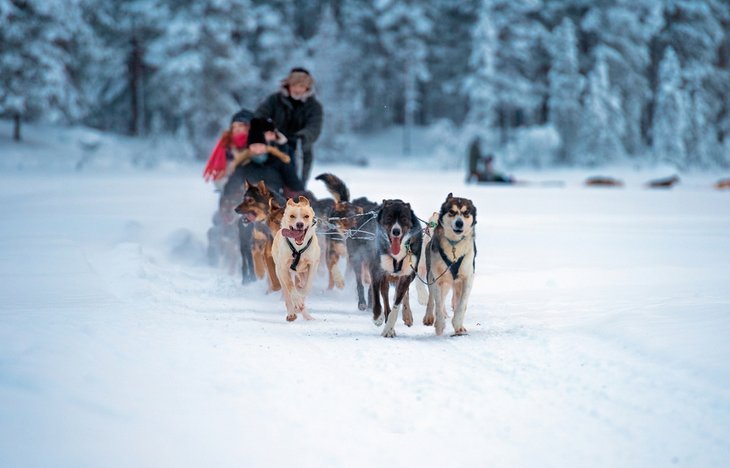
{"type": "Point", "coordinates": [486, 172]}
{"type": "Point", "coordinates": [481, 168]}
{"type": "Point", "coordinates": [262, 160]}
{"type": "Point", "coordinates": [233, 141]}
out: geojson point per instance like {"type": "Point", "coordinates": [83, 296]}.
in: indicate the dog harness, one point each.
{"type": "Point", "coordinates": [455, 265]}
{"type": "Point", "coordinates": [397, 266]}
{"type": "Point", "coordinates": [297, 254]}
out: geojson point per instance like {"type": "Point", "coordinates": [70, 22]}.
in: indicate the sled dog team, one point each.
{"type": "Point", "coordinates": [384, 244]}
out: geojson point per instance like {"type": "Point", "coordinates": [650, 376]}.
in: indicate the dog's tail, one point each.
{"type": "Point", "coordinates": [335, 186]}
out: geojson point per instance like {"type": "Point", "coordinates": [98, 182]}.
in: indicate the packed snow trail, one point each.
{"type": "Point", "coordinates": [598, 330]}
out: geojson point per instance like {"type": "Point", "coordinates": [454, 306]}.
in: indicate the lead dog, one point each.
{"type": "Point", "coordinates": [398, 239]}
{"type": "Point", "coordinates": [296, 255]}
{"type": "Point", "coordinates": [450, 261]}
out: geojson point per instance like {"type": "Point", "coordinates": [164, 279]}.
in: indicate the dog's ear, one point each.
{"type": "Point", "coordinates": [450, 195]}
{"type": "Point", "coordinates": [273, 204]}
{"type": "Point", "coordinates": [290, 202]}
{"type": "Point", "coordinates": [415, 222]}
{"type": "Point", "coordinates": [262, 186]}
{"type": "Point", "coordinates": [473, 215]}
{"type": "Point", "coordinates": [303, 200]}
{"type": "Point", "coordinates": [246, 185]}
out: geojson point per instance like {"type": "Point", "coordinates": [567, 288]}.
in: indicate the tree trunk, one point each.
{"type": "Point", "coordinates": [410, 105]}
{"type": "Point", "coordinates": [16, 127]}
{"type": "Point", "coordinates": [134, 68]}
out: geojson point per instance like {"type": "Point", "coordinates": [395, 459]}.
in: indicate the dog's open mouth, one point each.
{"type": "Point", "coordinates": [249, 216]}
{"type": "Point", "coordinates": [395, 245]}
{"type": "Point", "coordinates": [296, 234]}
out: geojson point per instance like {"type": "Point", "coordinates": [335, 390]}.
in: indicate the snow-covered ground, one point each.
{"type": "Point", "coordinates": [599, 330]}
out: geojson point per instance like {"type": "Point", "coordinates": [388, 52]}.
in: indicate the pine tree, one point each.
{"type": "Point", "coordinates": [481, 75]}
{"type": "Point", "coordinates": [520, 84]}
{"type": "Point", "coordinates": [603, 120]}
{"type": "Point", "coordinates": [449, 51]}
{"type": "Point", "coordinates": [696, 30]}
{"type": "Point", "coordinates": [566, 87]}
{"type": "Point", "coordinates": [200, 67]}
{"type": "Point", "coordinates": [670, 115]}
{"type": "Point", "coordinates": [118, 84]}
{"type": "Point", "coordinates": [341, 98]}
{"type": "Point", "coordinates": [35, 60]}
{"type": "Point", "coordinates": [404, 28]}
{"type": "Point", "coordinates": [360, 32]}
{"type": "Point", "coordinates": [623, 31]}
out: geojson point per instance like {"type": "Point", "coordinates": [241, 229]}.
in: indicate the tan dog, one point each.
{"type": "Point", "coordinates": [450, 260]}
{"type": "Point", "coordinates": [296, 255]}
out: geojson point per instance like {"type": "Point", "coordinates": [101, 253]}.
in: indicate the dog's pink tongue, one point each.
{"type": "Point", "coordinates": [293, 234]}
{"type": "Point", "coordinates": [395, 245]}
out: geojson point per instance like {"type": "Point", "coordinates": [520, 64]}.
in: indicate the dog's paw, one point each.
{"type": "Point", "coordinates": [291, 317]}
{"type": "Point", "coordinates": [297, 302]}
{"type": "Point", "coordinates": [439, 325]}
{"type": "Point", "coordinates": [428, 320]}
{"type": "Point", "coordinates": [407, 317]}
{"type": "Point", "coordinates": [379, 320]}
{"type": "Point", "coordinates": [362, 305]}
{"type": "Point", "coordinates": [388, 333]}
{"type": "Point", "coordinates": [460, 331]}
{"type": "Point", "coordinates": [339, 283]}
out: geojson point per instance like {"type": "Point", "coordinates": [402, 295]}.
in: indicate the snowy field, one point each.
{"type": "Point", "coordinates": [599, 332]}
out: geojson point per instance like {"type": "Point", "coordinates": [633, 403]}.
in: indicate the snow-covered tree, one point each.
{"type": "Point", "coordinates": [479, 82]}
{"type": "Point", "coordinates": [35, 61]}
{"type": "Point", "coordinates": [623, 30]}
{"type": "Point", "coordinates": [520, 83]}
{"type": "Point", "coordinates": [566, 87]}
{"type": "Point", "coordinates": [670, 114]}
{"type": "Point", "coordinates": [404, 28]}
{"type": "Point", "coordinates": [696, 30]}
{"type": "Point", "coordinates": [341, 98]}
{"type": "Point", "coordinates": [449, 49]}
{"type": "Point", "coordinates": [701, 136]}
{"type": "Point", "coordinates": [200, 68]}
{"type": "Point", "coordinates": [273, 47]}
{"type": "Point", "coordinates": [603, 120]}
{"type": "Point", "coordinates": [118, 82]}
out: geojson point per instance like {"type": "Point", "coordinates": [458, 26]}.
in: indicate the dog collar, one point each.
{"type": "Point", "coordinates": [453, 243]}
{"type": "Point", "coordinates": [297, 254]}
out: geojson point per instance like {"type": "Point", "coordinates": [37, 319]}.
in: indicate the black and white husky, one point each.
{"type": "Point", "coordinates": [450, 262]}
{"type": "Point", "coordinates": [395, 260]}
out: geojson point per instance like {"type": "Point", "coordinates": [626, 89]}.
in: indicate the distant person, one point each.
{"type": "Point", "coordinates": [475, 154]}
{"type": "Point", "coordinates": [297, 113]}
{"type": "Point", "coordinates": [232, 141]}
{"type": "Point", "coordinates": [481, 168]}
{"type": "Point", "coordinates": [488, 174]}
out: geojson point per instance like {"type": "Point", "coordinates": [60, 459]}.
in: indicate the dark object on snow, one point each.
{"type": "Point", "coordinates": [723, 184]}
{"type": "Point", "coordinates": [666, 182]}
{"type": "Point", "coordinates": [481, 168]}
{"type": "Point", "coordinates": [603, 181]}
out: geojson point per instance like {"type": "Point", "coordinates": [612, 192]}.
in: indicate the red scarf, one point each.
{"type": "Point", "coordinates": [215, 169]}
{"type": "Point", "coordinates": [240, 140]}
